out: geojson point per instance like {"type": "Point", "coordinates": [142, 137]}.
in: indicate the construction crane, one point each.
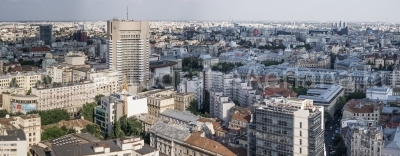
{"type": "Point", "coordinates": [125, 95]}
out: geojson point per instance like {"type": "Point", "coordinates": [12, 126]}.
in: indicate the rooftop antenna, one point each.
{"type": "Point", "coordinates": [127, 13]}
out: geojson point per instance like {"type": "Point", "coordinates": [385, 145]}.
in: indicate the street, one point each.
{"type": "Point", "coordinates": [329, 134]}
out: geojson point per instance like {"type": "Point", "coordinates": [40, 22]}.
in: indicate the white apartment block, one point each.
{"type": "Point", "coordinates": [244, 94]}
{"type": "Point", "coordinates": [71, 98]}
{"type": "Point", "coordinates": [220, 105]}
{"type": "Point", "coordinates": [24, 80]}
{"type": "Point", "coordinates": [194, 85]}
{"type": "Point", "coordinates": [112, 108]}
{"type": "Point", "coordinates": [128, 49]}
{"type": "Point", "coordinates": [219, 81]}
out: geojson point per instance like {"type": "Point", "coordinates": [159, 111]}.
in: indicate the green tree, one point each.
{"type": "Point", "coordinates": [300, 90]}
{"type": "Point", "coordinates": [356, 95]}
{"type": "Point", "coordinates": [29, 91]}
{"type": "Point", "coordinates": [145, 90]}
{"type": "Point", "coordinates": [3, 113]}
{"type": "Point", "coordinates": [52, 132]}
{"type": "Point", "coordinates": [88, 111]}
{"type": "Point", "coordinates": [9, 69]}
{"type": "Point", "coordinates": [328, 116]}
{"type": "Point", "coordinates": [68, 130]}
{"type": "Point", "coordinates": [47, 80]}
{"type": "Point", "coordinates": [185, 43]}
{"type": "Point", "coordinates": [13, 82]}
{"type": "Point", "coordinates": [130, 126]}
{"type": "Point", "coordinates": [117, 132]}
{"type": "Point", "coordinates": [97, 98]}
{"type": "Point", "coordinates": [167, 79]}
{"type": "Point", "coordinates": [93, 129]}
{"type": "Point", "coordinates": [51, 116]}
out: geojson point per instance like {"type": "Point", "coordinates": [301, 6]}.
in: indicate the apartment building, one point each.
{"type": "Point", "coordinates": [244, 94]}
{"type": "Point", "coordinates": [71, 98]}
{"type": "Point", "coordinates": [182, 100]}
{"type": "Point", "coordinates": [194, 85]}
{"type": "Point", "coordinates": [363, 108]}
{"type": "Point", "coordinates": [287, 127]}
{"type": "Point", "coordinates": [364, 138]}
{"type": "Point", "coordinates": [28, 124]}
{"type": "Point", "coordinates": [128, 49]}
{"type": "Point", "coordinates": [24, 80]}
{"type": "Point", "coordinates": [219, 81]}
{"type": "Point", "coordinates": [220, 105]}
{"type": "Point", "coordinates": [112, 109]}
{"type": "Point", "coordinates": [159, 100]}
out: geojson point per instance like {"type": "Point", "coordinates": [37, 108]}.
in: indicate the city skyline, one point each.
{"type": "Point", "coordinates": [254, 10]}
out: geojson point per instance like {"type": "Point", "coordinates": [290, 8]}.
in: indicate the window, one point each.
{"type": "Point", "coordinates": [300, 141]}
{"type": "Point", "coordinates": [300, 133]}
{"type": "Point", "coordinates": [300, 149]}
{"type": "Point", "coordinates": [301, 125]}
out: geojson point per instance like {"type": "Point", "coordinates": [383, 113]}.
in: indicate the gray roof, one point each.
{"type": "Point", "coordinates": [83, 149]}
{"type": "Point", "coordinates": [175, 132]}
{"type": "Point", "coordinates": [13, 135]}
{"type": "Point", "coordinates": [146, 149]}
{"type": "Point", "coordinates": [178, 115]}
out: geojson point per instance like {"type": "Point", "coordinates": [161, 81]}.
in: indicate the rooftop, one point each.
{"type": "Point", "coordinates": [184, 116]}
{"type": "Point", "coordinates": [173, 131]}
{"type": "Point", "coordinates": [13, 135]}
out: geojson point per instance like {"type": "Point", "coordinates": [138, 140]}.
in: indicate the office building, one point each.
{"type": "Point", "coordinates": [159, 100]}
{"type": "Point", "coordinates": [287, 127]}
{"type": "Point", "coordinates": [46, 34]}
{"type": "Point", "coordinates": [128, 50]}
{"type": "Point", "coordinates": [80, 36]}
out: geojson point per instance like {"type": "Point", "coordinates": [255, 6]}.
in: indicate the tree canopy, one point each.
{"type": "Point", "coordinates": [14, 83]}
{"type": "Point", "coordinates": [93, 129]}
{"type": "Point", "coordinates": [55, 132]}
{"type": "Point", "coordinates": [51, 116]}
{"type": "Point", "coordinates": [130, 126]}
{"type": "Point", "coordinates": [270, 63]}
{"type": "Point", "coordinates": [193, 108]}
{"type": "Point", "coordinates": [225, 67]}
{"type": "Point", "coordinates": [167, 79]}
{"type": "Point", "coordinates": [88, 111]}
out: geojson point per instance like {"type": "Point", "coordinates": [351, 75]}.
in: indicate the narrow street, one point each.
{"type": "Point", "coordinates": [329, 134]}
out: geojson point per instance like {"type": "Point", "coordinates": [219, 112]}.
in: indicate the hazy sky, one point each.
{"type": "Point", "coordinates": [265, 10]}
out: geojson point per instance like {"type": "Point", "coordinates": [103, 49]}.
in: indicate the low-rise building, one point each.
{"type": "Point", "coordinates": [363, 108]}
{"type": "Point", "coordinates": [119, 147]}
{"type": "Point", "coordinates": [182, 100]}
{"type": "Point", "coordinates": [13, 142]}
{"type": "Point", "coordinates": [325, 95]}
{"type": "Point", "coordinates": [178, 117]}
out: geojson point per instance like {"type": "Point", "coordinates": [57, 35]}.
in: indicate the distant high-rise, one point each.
{"type": "Point", "coordinates": [344, 24]}
{"type": "Point", "coordinates": [287, 127]}
{"type": "Point", "coordinates": [340, 24]}
{"type": "Point", "coordinates": [128, 49]}
{"type": "Point", "coordinates": [80, 36]}
{"type": "Point", "coordinates": [46, 34]}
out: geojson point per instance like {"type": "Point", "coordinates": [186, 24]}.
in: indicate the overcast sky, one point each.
{"type": "Point", "coordinates": [261, 10]}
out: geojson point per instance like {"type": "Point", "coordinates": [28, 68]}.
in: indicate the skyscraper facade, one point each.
{"type": "Point", "coordinates": [287, 127]}
{"type": "Point", "coordinates": [128, 49]}
{"type": "Point", "coordinates": [46, 34]}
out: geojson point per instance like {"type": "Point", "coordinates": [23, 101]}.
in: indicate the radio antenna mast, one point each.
{"type": "Point", "coordinates": [127, 13]}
